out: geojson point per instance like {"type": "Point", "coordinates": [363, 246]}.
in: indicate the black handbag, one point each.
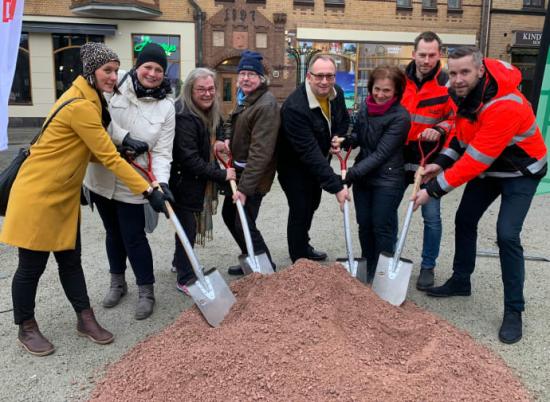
{"type": "Point", "coordinates": [8, 175]}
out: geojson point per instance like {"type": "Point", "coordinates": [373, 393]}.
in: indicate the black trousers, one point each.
{"type": "Point", "coordinates": [303, 195]}
{"type": "Point", "coordinates": [376, 214]}
{"type": "Point", "coordinates": [31, 267]}
{"type": "Point", "coordinates": [231, 218]}
{"type": "Point", "coordinates": [125, 238]}
{"type": "Point", "coordinates": [516, 196]}
{"type": "Point", "coordinates": [181, 261]}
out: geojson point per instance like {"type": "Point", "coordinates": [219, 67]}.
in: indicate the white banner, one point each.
{"type": "Point", "coordinates": [10, 34]}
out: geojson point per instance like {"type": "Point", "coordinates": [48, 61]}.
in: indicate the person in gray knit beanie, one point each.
{"type": "Point", "coordinates": [93, 56]}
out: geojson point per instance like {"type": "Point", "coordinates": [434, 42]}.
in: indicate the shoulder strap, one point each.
{"type": "Point", "coordinates": [124, 78]}
{"type": "Point", "coordinates": [47, 123]}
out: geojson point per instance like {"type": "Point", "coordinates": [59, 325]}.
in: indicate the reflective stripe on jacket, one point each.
{"type": "Point", "coordinates": [430, 106]}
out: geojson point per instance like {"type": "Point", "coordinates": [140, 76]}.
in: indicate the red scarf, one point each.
{"type": "Point", "coordinates": [374, 109]}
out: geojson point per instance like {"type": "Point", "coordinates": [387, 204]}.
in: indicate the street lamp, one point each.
{"type": "Point", "coordinates": [302, 57]}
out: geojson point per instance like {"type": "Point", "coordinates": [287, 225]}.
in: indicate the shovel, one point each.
{"type": "Point", "coordinates": [356, 267]}
{"type": "Point", "coordinates": [391, 280]}
{"type": "Point", "coordinates": [249, 263]}
{"type": "Point", "coordinates": [209, 290]}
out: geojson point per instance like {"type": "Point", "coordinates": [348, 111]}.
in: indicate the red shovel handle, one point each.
{"type": "Point", "coordinates": [147, 171]}
{"type": "Point", "coordinates": [226, 163]}
{"type": "Point", "coordinates": [424, 158]}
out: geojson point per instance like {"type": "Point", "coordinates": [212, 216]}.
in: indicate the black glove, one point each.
{"type": "Point", "coordinates": [166, 190]}
{"type": "Point", "coordinates": [157, 201]}
{"type": "Point", "coordinates": [350, 177]}
{"type": "Point", "coordinates": [137, 146]}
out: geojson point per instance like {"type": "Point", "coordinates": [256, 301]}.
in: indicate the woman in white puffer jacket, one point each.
{"type": "Point", "coordinates": [143, 119]}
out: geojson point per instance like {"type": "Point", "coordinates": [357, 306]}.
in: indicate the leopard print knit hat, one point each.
{"type": "Point", "coordinates": [93, 56]}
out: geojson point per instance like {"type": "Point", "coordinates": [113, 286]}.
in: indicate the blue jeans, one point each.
{"type": "Point", "coordinates": [516, 196]}
{"type": "Point", "coordinates": [431, 213]}
{"type": "Point", "coordinates": [376, 213]}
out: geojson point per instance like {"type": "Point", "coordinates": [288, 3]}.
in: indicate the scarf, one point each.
{"type": "Point", "coordinates": [374, 109]}
{"type": "Point", "coordinates": [210, 205]}
{"type": "Point", "coordinates": [158, 93]}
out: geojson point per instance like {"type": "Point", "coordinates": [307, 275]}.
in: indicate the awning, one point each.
{"type": "Point", "coordinates": [69, 28]}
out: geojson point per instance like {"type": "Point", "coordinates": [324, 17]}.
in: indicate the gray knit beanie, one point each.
{"type": "Point", "coordinates": [93, 56]}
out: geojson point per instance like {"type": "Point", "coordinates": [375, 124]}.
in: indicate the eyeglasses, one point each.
{"type": "Point", "coordinates": [248, 74]}
{"type": "Point", "coordinates": [203, 91]}
{"type": "Point", "coordinates": [321, 77]}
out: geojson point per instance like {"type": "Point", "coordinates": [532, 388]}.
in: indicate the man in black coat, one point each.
{"type": "Point", "coordinates": [310, 117]}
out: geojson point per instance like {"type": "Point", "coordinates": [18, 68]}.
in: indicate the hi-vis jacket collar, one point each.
{"type": "Point", "coordinates": [312, 99]}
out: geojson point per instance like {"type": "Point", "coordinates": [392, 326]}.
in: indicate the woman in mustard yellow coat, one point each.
{"type": "Point", "coordinates": [44, 206]}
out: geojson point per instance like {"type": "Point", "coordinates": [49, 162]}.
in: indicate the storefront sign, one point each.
{"type": "Point", "coordinates": [528, 38]}
{"type": "Point", "coordinates": [168, 49]}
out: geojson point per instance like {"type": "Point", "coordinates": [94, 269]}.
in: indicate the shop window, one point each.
{"type": "Point", "coordinates": [171, 45]}
{"type": "Point", "coordinates": [406, 4]}
{"type": "Point", "coordinates": [261, 40]}
{"type": "Point", "coordinates": [430, 5]}
{"type": "Point", "coordinates": [335, 3]}
{"type": "Point", "coordinates": [66, 54]}
{"type": "Point", "coordinates": [533, 3]}
{"type": "Point", "coordinates": [20, 93]}
{"type": "Point", "coordinates": [218, 38]}
{"type": "Point", "coordinates": [454, 5]}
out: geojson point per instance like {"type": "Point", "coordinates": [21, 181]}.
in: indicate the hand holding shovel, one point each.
{"type": "Point", "coordinates": [252, 263]}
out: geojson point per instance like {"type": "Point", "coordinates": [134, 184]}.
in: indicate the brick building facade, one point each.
{"type": "Point", "coordinates": [515, 31]}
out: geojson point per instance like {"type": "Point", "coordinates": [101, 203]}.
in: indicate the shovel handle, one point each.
{"type": "Point", "coordinates": [240, 209]}
{"type": "Point", "coordinates": [417, 180]}
{"type": "Point", "coordinates": [424, 158]}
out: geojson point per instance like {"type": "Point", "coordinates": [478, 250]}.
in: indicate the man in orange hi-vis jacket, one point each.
{"type": "Point", "coordinates": [497, 148]}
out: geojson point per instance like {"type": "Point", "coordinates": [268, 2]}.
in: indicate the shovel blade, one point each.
{"type": "Point", "coordinates": [359, 269]}
{"type": "Point", "coordinates": [259, 263]}
{"type": "Point", "coordinates": [392, 285]}
{"type": "Point", "coordinates": [215, 300]}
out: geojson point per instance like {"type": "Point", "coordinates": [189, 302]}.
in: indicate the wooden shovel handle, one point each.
{"type": "Point", "coordinates": [417, 180]}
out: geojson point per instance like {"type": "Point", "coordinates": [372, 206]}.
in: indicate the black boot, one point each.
{"type": "Point", "coordinates": [511, 328]}
{"type": "Point", "coordinates": [425, 279]}
{"type": "Point", "coordinates": [235, 270]}
{"type": "Point", "coordinates": [453, 287]}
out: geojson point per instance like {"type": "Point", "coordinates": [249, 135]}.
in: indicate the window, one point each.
{"type": "Point", "coordinates": [218, 38]}
{"type": "Point", "coordinates": [404, 3]}
{"type": "Point", "coordinates": [20, 93]}
{"type": "Point", "coordinates": [335, 3]}
{"type": "Point", "coordinates": [171, 46]}
{"type": "Point", "coordinates": [306, 3]}
{"type": "Point", "coordinates": [227, 92]}
{"type": "Point", "coordinates": [429, 4]}
{"type": "Point", "coordinates": [66, 54]}
{"type": "Point", "coordinates": [454, 5]}
{"type": "Point", "coordinates": [533, 3]}
{"type": "Point", "coordinates": [261, 40]}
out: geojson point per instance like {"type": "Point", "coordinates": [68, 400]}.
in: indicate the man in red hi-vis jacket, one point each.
{"type": "Point", "coordinates": [427, 99]}
{"type": "Point", "coordinates": [497, 148]}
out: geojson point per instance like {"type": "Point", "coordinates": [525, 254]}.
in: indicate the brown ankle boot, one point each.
{"type": "Point", "coordinates": [32, 340]}
{"type": "Point", "coordinates": [89, 327]}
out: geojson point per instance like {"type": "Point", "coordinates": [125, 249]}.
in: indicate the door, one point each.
{"type": "Point", "coordinates": [228, 86]}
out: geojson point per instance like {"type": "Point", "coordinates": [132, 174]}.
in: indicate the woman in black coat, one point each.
{"type": "Point", "coordinates": [194, 168]}
{"type": "Point", "coordinates": [378, 174]}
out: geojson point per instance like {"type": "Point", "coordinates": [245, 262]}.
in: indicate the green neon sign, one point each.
{"type": "Point", "coordinates": [145, 40]}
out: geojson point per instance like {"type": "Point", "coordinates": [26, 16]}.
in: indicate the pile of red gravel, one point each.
{"type": "Point", "coordinates": [310, 333]}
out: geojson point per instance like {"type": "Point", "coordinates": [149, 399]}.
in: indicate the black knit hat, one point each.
{"type": "Point", "coordinates": [251, 61]}
{"type": "Point", "coordinates": [152, 52]}
{"type": "Point", "coordinates": [93, 56]}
